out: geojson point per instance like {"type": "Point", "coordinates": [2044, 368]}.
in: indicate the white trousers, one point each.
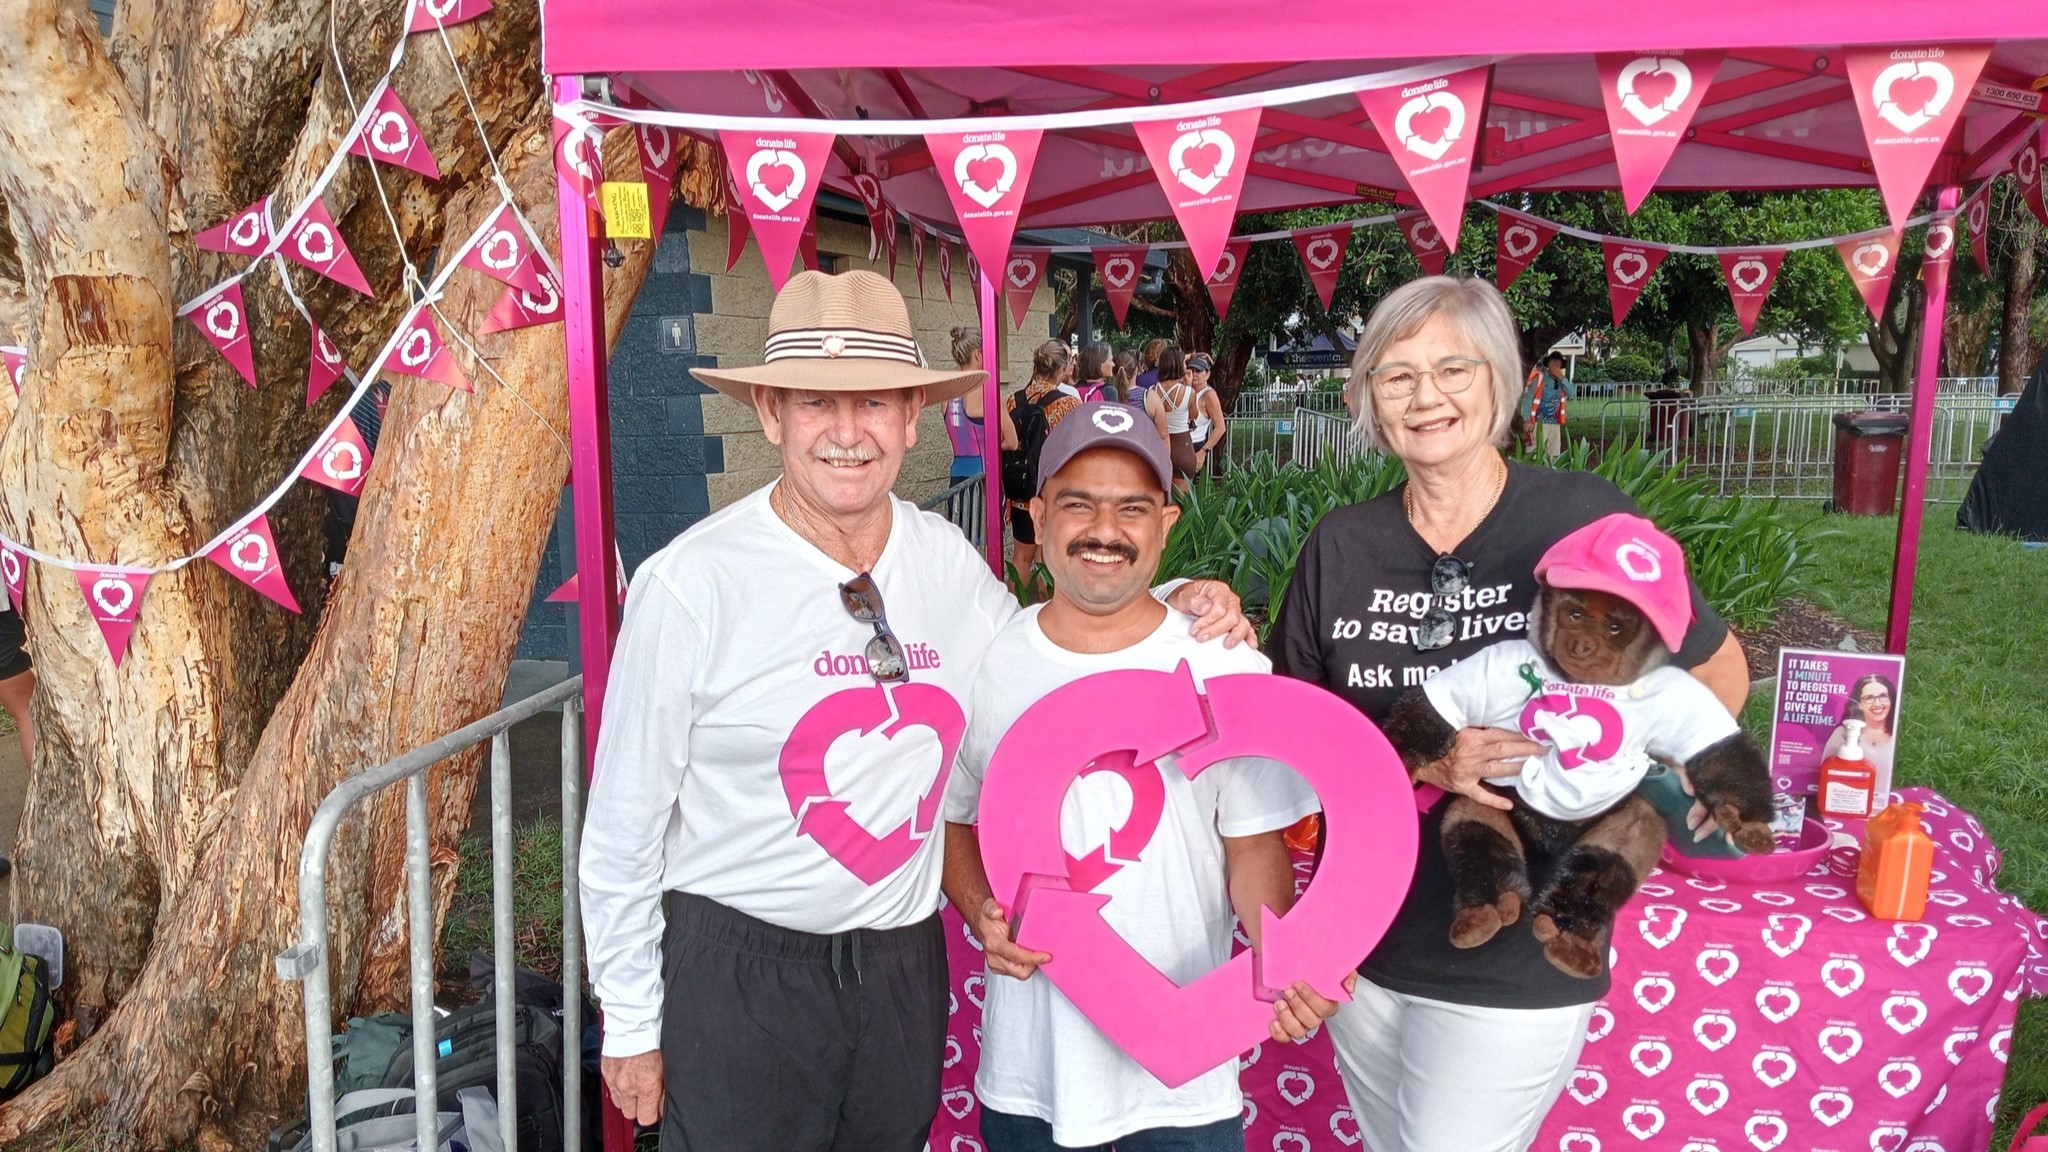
{"type": "Point", "coordinates": [1427, 1076]}
{"type": "Point", "coordinates": [1550, 438]}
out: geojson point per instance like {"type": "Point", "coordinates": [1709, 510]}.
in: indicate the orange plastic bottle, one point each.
{"type": "Point", "coordinates": [1848, 784]}
{"type": "Point", "coordinates": [1898, 860]}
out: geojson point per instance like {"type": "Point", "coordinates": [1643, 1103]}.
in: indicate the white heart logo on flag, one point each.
{"type": "Point", "coordinates": [2027, 166]}
{"type": "Point", "coordinates": [247, 230]}
{"type": "Point", "coordinates": [1958, 1041]}
{"type": "Point", "coordinates": [1424, 235]}
{"type": "Point", "coordinates": [417, 348]}
{"type": "Point", "coordinates": [401, 135]}
{"type": "Point", "coordinates": [10, 564]}
{"type": "Point", "coordinates": [1831, 1108]}
{"type": "Point", "coordinates": [439, 10]}
{"type": "Point", "coordinates": [1630, 267]}
{"type": "Point", "coordinates": [870, 190]}
{"type": "Point", "coordinates": [1978, 214]}
{"type": "Point", "coordinates": [1226, 266]}
{"type": "Point", "coordinates": [1643, 1120]}
{"type": "Point", "coordinates": [1323, 251]}
{"type": "Point", "coordinates": [1654, 993]}
{"type": "Point", "coordinates": [316, 242]}
{"type": "Point", "coordinates": [1201, 159]}
{"type": "Point", "coordinates": [499, 250]}
{"type": "Point", "coordinates": [1717, 965]}
{"type": "Point", "coordinates": [1927, 87]}
{"type": "Point", "coordinates": [223, 319]}
{"type": "Point", "coordinates": [1714, 1030]}
{"type": "Point", "coordinates": [548, 302]}
{"type": "Point", "coordinates": [572, 151]}
{"type": "Point", "coordinates": [1840, 1042]}
{"type": "Point", "coordinates": [332, 462]}
{"type": "Point", "coordinates": [953, 1053]}
{"type": "Point", "coordinates": [1118, 271]}
{"type": "Point", "coordinates": [1707, 1096]}
{"type": "Point", "coordinates": [1749, 275]}
{"type": "Point", "coordinates": [113, 595]}
{"type": "Point", "coordinates": [780, 165]}
{"type": "Point", "coordinates": [660, 145]}
{"type": "Point", "coordinates": [1587, 1086]}
{"type": "Point", "coordinates": [1904, 1013]}
{"type": "Point", "coordinates": [1898, 1078]}
{"type": "Point", "coordinates": [1766, 1132]}
{"type": "Point", "coordinates": [1940, 238]}
{"type": "Point", "coordinates": [1778, 1004]}
{"type": "Point", "coordinates": [1022, 272]}
{"type": "Point", "coordinates": [257, 553]}
{"type": "Point", "coordinates": [1653, 87]}
{"type": "Point", "coordinates": [964, 1144]}
{"type": "Point", "coordinates": [1650, 1056]}
{"type": "Point", "coordinates": [324, 348]}
{"type": "Point", "coordinates": [1842, 976]}
{"type": "Point", "coordinates": [985, 172]}
{"type": "Point", "coordinates": [1518, 241]}
{"type": "Point", "coordinates": [1442, 117]}
{"type": "Point", "coordinates": [1773, 1068]}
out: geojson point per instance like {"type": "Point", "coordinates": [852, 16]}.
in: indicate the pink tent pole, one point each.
{"type": "Point", "coordinates": [590, 440]}
{"type": "Point", "coordinates": [1917, 448]}
{"type": "Point", "coordinates": [991, 423]}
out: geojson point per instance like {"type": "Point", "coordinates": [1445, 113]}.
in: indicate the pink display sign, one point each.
{"type": "Point", "coordinates": [1750, 274]}
{"type": "Point", "coordinates": [1201, 165]}
{"type": "Point", "coordinates": [1651, 99]}
{"type": "Point", "coordinates": [1178, 1032]}
{"type": "Point", "coordinates": [985, 175]}
{"type": "Point", "coordinates": [777, 179]}
{"type": "Point", "coordinates": [1817, 690]}
{"type": "Point", "coordinates": [1909, 97]}
{"type": "Point", "coordinates": [1431, 128]}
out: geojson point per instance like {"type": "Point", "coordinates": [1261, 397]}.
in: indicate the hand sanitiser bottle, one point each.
{"type": "Point", "coordinates": [1847, 781]}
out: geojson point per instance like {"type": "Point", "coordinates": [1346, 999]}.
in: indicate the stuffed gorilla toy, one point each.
{"type": "Point", "coordinates": [1594, 685]}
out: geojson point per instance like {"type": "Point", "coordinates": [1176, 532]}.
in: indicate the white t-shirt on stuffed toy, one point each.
{"type": "Point", "coordinates": [1602, 738]}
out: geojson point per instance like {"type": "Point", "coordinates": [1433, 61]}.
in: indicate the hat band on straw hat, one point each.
{"type": "Point", "coordinates": [841, 343]}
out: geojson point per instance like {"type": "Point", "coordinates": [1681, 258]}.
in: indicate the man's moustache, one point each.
{"type": "Point", "coordinates": [1124, 550]}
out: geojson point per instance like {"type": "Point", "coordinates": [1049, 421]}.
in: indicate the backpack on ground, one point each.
{"type": "Point", "coordinates": [27, 1016]}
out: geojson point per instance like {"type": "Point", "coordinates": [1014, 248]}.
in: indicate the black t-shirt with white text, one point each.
{"type": "Point", "coordinates": [1360, 587]}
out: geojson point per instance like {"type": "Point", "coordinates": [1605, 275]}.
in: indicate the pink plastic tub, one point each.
{"type": "Point", "coordinates": [1776, 868]}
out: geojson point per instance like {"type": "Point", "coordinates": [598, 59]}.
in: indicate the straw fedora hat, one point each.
{"type": "Point", "coordinates": [844, 333]}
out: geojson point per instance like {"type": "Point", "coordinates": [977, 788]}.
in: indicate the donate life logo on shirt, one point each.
{"type": "Point", "coordinates": [827, 818]}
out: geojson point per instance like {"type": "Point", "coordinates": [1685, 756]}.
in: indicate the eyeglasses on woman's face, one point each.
{"type": "Point", "coordinates": [1451, 375]}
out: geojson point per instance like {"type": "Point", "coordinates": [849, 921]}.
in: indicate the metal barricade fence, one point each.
{"type": "Point", "coordinates": [1275, 402]}
{"type": "Point", "coordinates": [308, 960]}
{"type": "Point", "coordinates": [964, 504]}
{"type": "Point", "coordinates": [1321, 434]}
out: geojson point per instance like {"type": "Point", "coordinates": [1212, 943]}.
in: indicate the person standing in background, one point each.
{"type": "Point", "coordinates": [1546, 404]}
{"type": "Point", "coordinates": [966, 423]}
{"type": "Point", "coordinates": [1171, 406]}
{"type": "Point", "coordinates": [1124, 372]}
{"type": "Point", "coordinates": [1148, 372]}
{"type": "Point", "coordinates": [1093, 374]}
{"type": "Point", "coordinates": [1034, 411]}
{"type": "Point", "coordinates": [1207, 428]}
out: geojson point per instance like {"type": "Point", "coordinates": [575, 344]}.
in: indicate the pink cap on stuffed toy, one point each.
{"type": "Point", "coordinates": [1626, 556]}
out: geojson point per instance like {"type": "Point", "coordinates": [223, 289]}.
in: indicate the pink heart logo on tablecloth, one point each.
{"type": "Point", "coordinates": [1904, 1012]}
{"type": "Point", "coordinates": [1898, 1078]}
{"type": "Point", "coordinates": [1714, 1030]}
{"type": "Point", "coordinates": [1825, 892]}
{"type": "Point", "coordinates": [1783, 934]}
{"type": "Point", "coordinates": [1722, 905]}
{"type": "Point", "coordinates": [1831, 1108]}
{"type": "Point", "coordinates": [1650, 1057]}
{"type": "Point", "coordinates": [1654, 993]}
{"type": "Point", "coordinates": [1643, 1120]}
{"type": "Point", "coordinates": [1294, 1086]}
{"type": "Point", "coordinates": [1842, 975]}
{"type": "Point", "coordinates": [1660, 891]}
{"type": "Point", "coordinates": [976, 988]}
{"type": "Point", "coordinates": [954, 1054]}
{"type": "Point", "coordinates": [1775, 899]}
{"type": "Point", "coordinates": [1773, 1068]}
{"type": "Point", "coordinates": [1599, 1024]}
{"type": "Point", "coordinates": [1706, 1096]}
{"type": "Point", "coordinates": [1344, 1126]}
{"type": "Point", "coordinates": [1251, 1113]}
{"type": "Point", "coordinates": [1717, 965]}
{"type": "Point", "coordinates": [1958, 1043]}
{"type": "Point", "coordinates": [1887, 1138]}
{"type": "Point", "coordinates": [1969, 983]}
{"type": "Point", "coordinates": [1578, 1142]}
{"type": "Point", "coordinates": [1705, 884]}
{"type": "Point", "coordinates": [958, 1101]}
{"type": "Point", "coordinates": [1765, 1132]}
{"type": "Point", "coordinates": [1661, 924]}
{"type": "Point", "coordinates": [1290, 1142]}
{"type": "Point", "coordinates": [1840, 1042]}
{"type": "Point", "coordinates": [1587, 1086]}
{"type": "Point", "coordinates": [1777, 1003]}
{"type": "Point", "coordinates": [2001, 1044]}
{"type": "Point", "coordinates": [1946, 898]}
{"type": "Point", "coordinates": [1940, 1094]}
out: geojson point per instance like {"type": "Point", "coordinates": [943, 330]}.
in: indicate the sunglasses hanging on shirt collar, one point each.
{"type": "Point", "coordinates": [863, 601]}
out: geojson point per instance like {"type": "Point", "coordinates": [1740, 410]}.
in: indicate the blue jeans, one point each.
{"type": "Point", "coordinates": [1003, 1132]}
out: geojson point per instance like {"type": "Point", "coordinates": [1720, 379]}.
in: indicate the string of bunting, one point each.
{"type": "Point", "coordinates": [504, 246]}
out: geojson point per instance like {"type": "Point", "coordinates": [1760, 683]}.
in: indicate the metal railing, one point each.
{"type": "Point", "coordinates": [308, 961]}
{"type": "Point", "coordinates": [1321, 434]}
{"type": "Point", "coordinates": [965, 505]}
{"type": "Point", "coordinates": [1280, 401]}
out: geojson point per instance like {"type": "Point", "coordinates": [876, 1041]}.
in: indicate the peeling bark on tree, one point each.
{"type": "Point", "coordinates": [169, 797]}
{"type": "Point", "coordinates": [2016, 350]}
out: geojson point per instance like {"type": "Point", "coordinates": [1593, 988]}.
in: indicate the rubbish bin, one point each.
{"type": "Point", "coordinates": [1670, 417]}
{"type": "Point", "coordinates": [1868, 447]}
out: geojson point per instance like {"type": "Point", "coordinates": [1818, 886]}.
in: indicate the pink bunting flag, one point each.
{"type": "Point", "coordinates": [246, 234]}
{"type": "Point", "coordinates": [1871, 260]}
{"type": "Point", "coordinates": [1431, 128]}
{"type": "Point", "coordinates": [326, 365]}
{"type": "Point", "coordinates": [1021, 277]}
{"type": "Point", "coordinates": [250, 555]}
{"type": "Point", "coordinates": [14, 362]}
{"type": "Point", "coordinates": [1222, 283]}
{"type": "Point", "coordinates": [1120, 269]}
{"type": "Point", "coordinates": [973, 271]}
{"type": "Point", "coordinates": [224, 322]}
{"type": "Point", "coordinates": [341, 461]}
{"type": "Point", "coordinates": [1424, 240]}
{"type": "Point", "coordinates": [658, 168]}
{"type": "Point", "coordinates": [430, 14]}
{"type": "Point", "coordinates": [113, 597]}
{"type": "Point", "coordinates": [945, 265]}
{"type": "Point", "coordinates": [1909, 97]}
{"type": "Point", "coordinates": [577, 160]}
{"type": "Point", "coordinates": [421, 352]}
{"type": "Point", "coordinates": [390, 135]}
{"type": "Point", "coordinates": [736, 230]}
{"type": "Point", "coordinates": [1520, 240]}
{"type": "Point", "coordinates": [571, 591]}
{"type": "Point", "coordinates": [1977, 218]}
{"type": "Point", "coordinates": [1651, 98]}
{"type": "Point", "coordinates": [889, 236]}
{"type": "Point", "coordinates": [1750, 272]}
{"type": "Point", "coordinates": [14, 566]}
{"type": "Point", "coordinates": [1201, 164]}
{"type": "Point", "coordinates": [315, 243]}
{"type": "Point", "coordinates": [917, 255]}
{"type": "Point", "coordinates": [1938, 253]}
{"type": "Point", "coordinates": [807, 246]}
{"type": "Point", "coordinates": [2026, 169]}
{"type": "Point", "coordinates": [777, 178]}
{"type": "Point", "coordinates": [503, 252]}
{"type": "Point", "coordinates": [985, 175]}
{"type": "Point", "coordinates": [1629, 268]}
{"type": "Point", "coordinates": [1322, 255]}
{"type": "Point", "coordinates": [519, 308]}
{"type": "Point", "coordinates": [869, 190]}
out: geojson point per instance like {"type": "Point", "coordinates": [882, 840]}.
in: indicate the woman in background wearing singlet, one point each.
{"type": "Point", "coordinates": [1206, 429]}
{"type": "Point", "coordinates": [1148, 373]}
{"type": "Point", "coordinates": [1171, 406]}
{"type": "Point", "coordinates": [966, 424]}
{"type": "Point", "coordinates": [1092, 376]}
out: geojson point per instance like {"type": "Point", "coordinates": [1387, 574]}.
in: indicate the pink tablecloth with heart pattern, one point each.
{"type": "Point", "coordinates": [1760, 1018]}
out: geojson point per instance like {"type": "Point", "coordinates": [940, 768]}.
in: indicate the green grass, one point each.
{"type": "Point", "coordinates": [1974, 708]}
{"type": "Point", "coordinates": [536, 904]}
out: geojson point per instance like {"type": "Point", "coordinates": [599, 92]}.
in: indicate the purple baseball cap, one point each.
{"type": "Point", "coordinates": [1104, 425]}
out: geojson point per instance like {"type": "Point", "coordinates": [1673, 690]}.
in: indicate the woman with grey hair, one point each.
{"type": "Point", "coordinates": [1446, 1046]}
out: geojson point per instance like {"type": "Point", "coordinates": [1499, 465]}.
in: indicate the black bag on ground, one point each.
{"type": "Point", "coordinates": [2009, 494]}
{"type": "Point", "coordinates": [27, 1016]}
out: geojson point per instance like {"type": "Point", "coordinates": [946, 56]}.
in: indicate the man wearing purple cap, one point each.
{"type": "Point", "coordinates": [1211, 846]}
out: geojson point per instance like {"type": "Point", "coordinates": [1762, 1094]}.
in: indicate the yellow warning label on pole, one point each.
{"type": "Point", "coordinates": [625, 211]}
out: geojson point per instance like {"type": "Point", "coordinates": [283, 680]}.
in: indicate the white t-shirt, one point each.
{"type": "Point", "coordinates": [1039, 1056]}
{"type": "Point", "coordinates": [1602, 739]}
{"type": "Point", "coordinates": [746, 754]}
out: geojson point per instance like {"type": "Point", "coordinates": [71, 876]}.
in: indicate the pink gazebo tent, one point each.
{"type": "Point", "coordinates": [1780, 112]}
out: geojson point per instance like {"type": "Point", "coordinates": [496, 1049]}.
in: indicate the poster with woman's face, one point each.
{"type": "Point", "coordinates": [1817, 691]}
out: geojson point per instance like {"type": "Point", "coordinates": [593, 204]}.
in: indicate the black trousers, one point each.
{"type": "Point", "coordinates": [780, 1041]}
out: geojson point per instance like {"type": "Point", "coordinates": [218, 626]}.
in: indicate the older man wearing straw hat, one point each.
{"type": "Point", "coordinates": [763, 850]}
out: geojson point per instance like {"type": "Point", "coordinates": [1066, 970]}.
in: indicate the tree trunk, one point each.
{"type": "Point", "coordinates": [1194, 317]}
{"type": "Point", "coordinates": [1703, 341]}
{"type": "Point", "coordinates": [170, 796]}
{"type": "Point", "coordinates": [2016, 345]}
